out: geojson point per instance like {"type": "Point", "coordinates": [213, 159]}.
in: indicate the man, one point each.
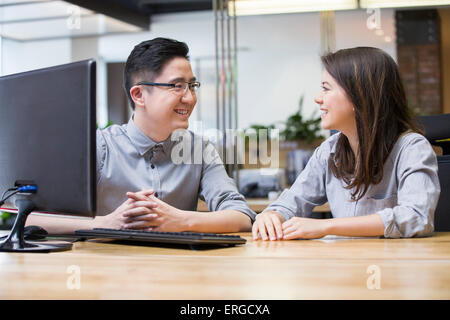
{"type": "Point", "coordinates": [139, 184]}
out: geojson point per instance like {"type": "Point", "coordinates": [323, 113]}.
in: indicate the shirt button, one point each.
{"type": "Point", "coordinates": [153, 166]}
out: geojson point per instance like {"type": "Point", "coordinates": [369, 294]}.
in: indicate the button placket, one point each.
{"type": "Point", "coordinates": [155, 174]}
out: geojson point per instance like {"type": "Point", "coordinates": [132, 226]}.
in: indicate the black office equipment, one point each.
{"type": "Point", "coordinates": [442, 213]}
{"type": "Point", "coordinates": [47, 141]}
{"type": "Point", "coordinates": [437, 132]}
{"type": "Point", "coordinates": [190, 238]}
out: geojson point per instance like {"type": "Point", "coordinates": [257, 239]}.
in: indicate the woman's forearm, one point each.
{"type": "Point", "coordinates": [363, 226]}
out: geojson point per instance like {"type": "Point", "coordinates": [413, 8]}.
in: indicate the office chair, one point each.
{"type": "Point", "coordinates": [437, 132]}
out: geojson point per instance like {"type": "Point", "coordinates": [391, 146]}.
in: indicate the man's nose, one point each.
{"type": "Point", "coordinates": [189, 96]}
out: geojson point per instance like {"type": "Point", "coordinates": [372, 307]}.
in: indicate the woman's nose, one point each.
{"type": "Point", "coordinates": [318, 99]}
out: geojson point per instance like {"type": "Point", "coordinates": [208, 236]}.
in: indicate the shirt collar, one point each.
{"type": "Point", "coordinates": [333, 147]}
{"type": "Point", "coordinates": [142, 142]}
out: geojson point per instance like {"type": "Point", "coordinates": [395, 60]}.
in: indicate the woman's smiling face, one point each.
{"type": "Point", "coordinates": [337, 111]}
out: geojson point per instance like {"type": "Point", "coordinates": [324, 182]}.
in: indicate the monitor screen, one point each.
{"type": "Point", "coordinates": [47, 137]}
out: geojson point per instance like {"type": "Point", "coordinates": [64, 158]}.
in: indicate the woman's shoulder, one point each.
{"type": "Point", "coordinates": [329, 144]}
{"type": "Point", "coordinates": [327, 147]}
{"type": "Point", "coordinates": [411, 140]}
{"type": "Point", "coordinates": [412, 147]}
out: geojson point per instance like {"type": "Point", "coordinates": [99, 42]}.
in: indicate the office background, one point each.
{"type": "Point", "coordinates": [278, 55]}
{"type": "Point", "coordinates": [278, 62]}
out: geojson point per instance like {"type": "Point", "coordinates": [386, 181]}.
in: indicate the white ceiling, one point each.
{"type": "Point", "coordinates": [26, 20]}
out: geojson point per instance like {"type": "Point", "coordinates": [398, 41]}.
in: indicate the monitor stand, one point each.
{"type": "Point", "coordinates": [15, 241]}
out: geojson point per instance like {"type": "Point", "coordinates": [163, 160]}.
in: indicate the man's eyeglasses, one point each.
{"type": "Point", "coordinates": [179, 88]}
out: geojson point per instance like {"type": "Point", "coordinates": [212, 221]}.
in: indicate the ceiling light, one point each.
{"type": "Point", "coordinates": [401, 3]}
{"type": "Point", "coordinates": [41, 20]}
{"type": "Point", "coordinates": [258, 7]}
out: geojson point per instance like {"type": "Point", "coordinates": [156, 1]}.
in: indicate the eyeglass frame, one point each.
{"type": "Point", "coordinates": [172, 85]}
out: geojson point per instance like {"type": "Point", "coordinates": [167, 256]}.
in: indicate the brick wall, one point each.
{"type": "Point", "coordinates": [419, 59]}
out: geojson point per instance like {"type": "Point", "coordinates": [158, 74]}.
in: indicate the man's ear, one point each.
{"type": "Point", "coordinates": [136, 93]}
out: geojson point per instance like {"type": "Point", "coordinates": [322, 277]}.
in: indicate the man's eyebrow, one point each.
{"type": "Point", "coordinates": [180, 79]}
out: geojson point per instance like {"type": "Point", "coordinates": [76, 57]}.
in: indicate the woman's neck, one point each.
{"type": "Point", "coordinates": [352, 136]}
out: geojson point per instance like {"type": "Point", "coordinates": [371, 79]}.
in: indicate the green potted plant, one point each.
{"type": "Point", "coordinates": [297, 132]}
{"type": "Point", "coordinates": [299, 129]}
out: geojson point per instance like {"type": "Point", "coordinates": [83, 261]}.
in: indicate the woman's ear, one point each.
{"type": "Point", "coordinates": [137, 96]}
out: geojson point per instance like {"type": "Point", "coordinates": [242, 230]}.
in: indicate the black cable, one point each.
{"type": "Point", "coordinates": [25, 188]}
{"type": "Point", "coordinates": [15, 189]}
{"type": "Point", "coordinates": [10, 189]}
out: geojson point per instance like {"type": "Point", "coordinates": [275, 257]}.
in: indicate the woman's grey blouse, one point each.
{"type": "Point", "coordinates": [405, 199]}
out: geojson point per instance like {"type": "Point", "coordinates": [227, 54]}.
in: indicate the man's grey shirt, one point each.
{"type": "Point", "coordinates": [405, 199]}
{"type": "Point", "coordinates": [128, 160]}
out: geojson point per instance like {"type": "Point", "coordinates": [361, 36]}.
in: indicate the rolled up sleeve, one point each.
{"type": "Point", "coordinates": [101, 153]}
{"type": "Point", "coordinates": [308, 190]}
{"type": "Point", "coordinates": [217, 189]}
{"type": "Point", "coordinates": [418, 193]}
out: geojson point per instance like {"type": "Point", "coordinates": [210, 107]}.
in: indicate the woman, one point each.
{"type": "Point", "coordinates": [379, 174]}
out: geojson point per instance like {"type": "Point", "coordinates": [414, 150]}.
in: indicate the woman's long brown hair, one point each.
{"type": "Point", "coordinates": [372, 82]}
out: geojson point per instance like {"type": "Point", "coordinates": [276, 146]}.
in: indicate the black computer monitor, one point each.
{"type": "Point", "coordinates": [47, 142]}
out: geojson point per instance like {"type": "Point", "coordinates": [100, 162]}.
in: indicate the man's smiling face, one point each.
{"type": "Point", "coordinates": [165, 109]}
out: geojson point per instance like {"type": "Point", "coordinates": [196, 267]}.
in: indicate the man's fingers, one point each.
{"type": "Point", "coordinates": [146, 192]}
{"type": "Point", "coordinates": [137, 211]}
{"type": "Point", "coordinates": [143, 217]}
{"type": "Point", "coordinates": [140, 225]}
{"type": "Point", "coordinates": [140, 195]}
{"type": "Point", "coordinates": [144, 204]}
{"type": "Point", "coordinates": [137, 225]}
{"type": "Point", "coordinates": [136, 197]}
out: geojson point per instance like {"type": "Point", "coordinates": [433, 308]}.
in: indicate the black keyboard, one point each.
{"type": "Point", "coordinates": [194, 238]}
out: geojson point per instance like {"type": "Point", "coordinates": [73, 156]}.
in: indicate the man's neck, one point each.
{"type": "Point", "coordinates": [154, 135]}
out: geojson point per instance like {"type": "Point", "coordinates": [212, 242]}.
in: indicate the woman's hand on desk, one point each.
{"type": "Point", "coordinates": [305, 228]}
{"type": "Point", "coordinates": [268, 225]}
{"type": "Point", "coordinates": [271, 225]}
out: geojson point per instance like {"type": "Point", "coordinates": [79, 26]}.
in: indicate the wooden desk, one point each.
{"type": "Point", "coordinates": [329, 268]}
{"type": "Point", "coordinates": [259, 204]}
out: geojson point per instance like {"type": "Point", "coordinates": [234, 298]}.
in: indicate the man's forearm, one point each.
{"type": "Point", "coordinates": [58, 225]}
{"type": "Point", "coordinates": [218, 221]}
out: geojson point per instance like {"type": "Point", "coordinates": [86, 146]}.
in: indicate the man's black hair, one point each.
{"type": "Point", "coordinates": [148, 59]}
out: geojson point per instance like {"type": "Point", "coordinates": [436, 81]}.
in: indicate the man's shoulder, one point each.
{"type": "Point", "coordinates": [113, 135]}
{"type": "Point", "coordinates": [113, 130]}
